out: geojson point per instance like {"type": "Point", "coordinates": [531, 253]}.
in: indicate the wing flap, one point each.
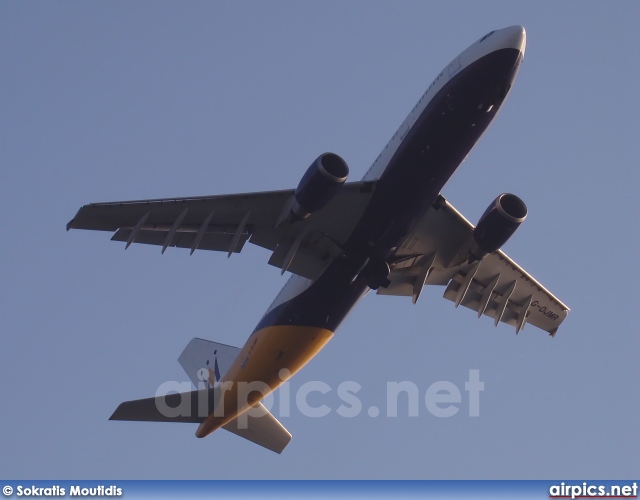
{"type": "Point", "coordinates": [217, 239]}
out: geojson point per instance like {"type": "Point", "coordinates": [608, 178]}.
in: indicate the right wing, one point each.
{"type": "Point", "coordinates": [434, 253]}
{"type": "Point", "coordinates": [225, 223]}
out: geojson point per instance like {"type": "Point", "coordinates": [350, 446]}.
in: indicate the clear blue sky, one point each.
{"type": "Point", "coordinates": [105, 101]}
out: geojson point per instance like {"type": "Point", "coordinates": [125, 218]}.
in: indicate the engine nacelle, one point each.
{"type": "Point", "coordinates": [320, 183]}
{"type": "Point", "coordinates": [497, 224]}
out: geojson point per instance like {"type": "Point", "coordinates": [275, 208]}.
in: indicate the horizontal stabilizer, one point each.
{"type": "Point", "coordinates": [204, 362]}
{"type": "Point", "coordinates": [202, 359]}
{"type": "Point", "coordinates": [190, 407]}
{"type": "Point", "coordinates": [262, 428]}
{"type": "Point", "coordinates": [257, 425]}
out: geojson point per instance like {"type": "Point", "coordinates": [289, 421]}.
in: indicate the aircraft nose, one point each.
{"type": "Point", "coordinates": [513, 37]}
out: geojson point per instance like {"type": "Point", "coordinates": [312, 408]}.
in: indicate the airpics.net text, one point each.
{"type": "Point", "coordinates": [441, 399]}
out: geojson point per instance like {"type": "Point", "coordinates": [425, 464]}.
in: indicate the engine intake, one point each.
{"type": "Point", "coordinates": [497, 224]}
{"type": "Point", "coordinates": [320, 183]}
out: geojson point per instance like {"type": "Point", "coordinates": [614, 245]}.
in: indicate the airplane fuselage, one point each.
{"type": "Point", "coordinates": [410, 172]}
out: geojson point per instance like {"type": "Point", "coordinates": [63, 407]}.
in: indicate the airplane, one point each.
{"type": "Point", "coordinates": [392, 232]}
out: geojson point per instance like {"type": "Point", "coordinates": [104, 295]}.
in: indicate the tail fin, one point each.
{"type": "Point", "coordinates": [206, 361]}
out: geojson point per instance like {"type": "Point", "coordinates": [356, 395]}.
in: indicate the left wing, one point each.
{"type": "Point", "coordinates": [225, 223]}
{"type": "Point", "coordinates": [433, 254]}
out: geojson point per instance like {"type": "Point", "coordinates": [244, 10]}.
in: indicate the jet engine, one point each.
{"type": "Point", "coordinates": [497, 224]}
{"type": "Point", "coordinates": [320, 183]}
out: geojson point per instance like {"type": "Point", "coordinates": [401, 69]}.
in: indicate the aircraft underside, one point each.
{"type": "Point", "coordinates": [392, 232]}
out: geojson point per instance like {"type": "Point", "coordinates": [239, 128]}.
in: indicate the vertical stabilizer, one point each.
{"type": "Point", "coordinates": [206, 361]}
